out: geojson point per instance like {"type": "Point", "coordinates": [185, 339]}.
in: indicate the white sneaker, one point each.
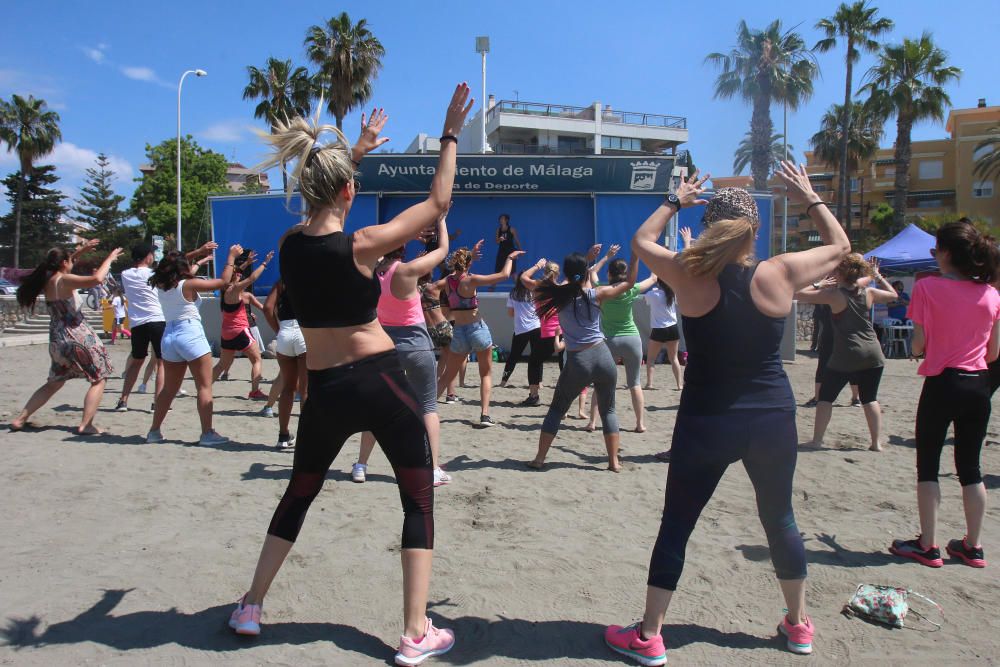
{"type": "Point", "coordinates": [141, 389]}
{"type": "Point", "coordinates": [266, 412]}
{"type": "Point", "coordinates": [181, 393]}
{"type": "Point", "coordinates": [212, 438]}
{"type": "Point", "coordinates": [358, 472]}
{"type": "Point", "coordinates": [441, 477]}
{"type": "Point", "coordinates": [153, 437]}
{"type": "Point", "coordinates": [286, 444]}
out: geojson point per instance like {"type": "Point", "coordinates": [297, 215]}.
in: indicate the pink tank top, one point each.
{"type": "Point", "coordinates": [550, 326]}
{"type": "Point", "coordinates": [393, 312]}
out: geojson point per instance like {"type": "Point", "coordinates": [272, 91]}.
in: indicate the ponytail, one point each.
{"type": "Point", "coordinates": [34, 283]}
{"type": "Point", "coordinates": [970, 252]}
{"type": "Point", "coordinates": [723, 242]}
{"type": "Point", "coordinates": [461, 260]}
{"type": "Point", "coordinates": [617, 271]}
{"type": "Point", "coordinates": [668, 292]}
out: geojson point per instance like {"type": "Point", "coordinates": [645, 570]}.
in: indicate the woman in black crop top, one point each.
{"type": "Point", "coordinates": [355, 380]}
{"type": "Point", "coordinates": [737, 404]}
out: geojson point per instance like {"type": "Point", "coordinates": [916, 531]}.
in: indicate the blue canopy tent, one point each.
{"type": "Point", "coordinates": [906, 252]}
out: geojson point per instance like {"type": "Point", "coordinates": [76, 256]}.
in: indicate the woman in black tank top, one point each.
{"type": "Point", "coordinates": [355, 380]}
{"type": "Point", "coordinates": [737, 404]}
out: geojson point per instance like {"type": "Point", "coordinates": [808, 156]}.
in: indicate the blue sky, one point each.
{"type": "Point", "coordinates": [110, 69]}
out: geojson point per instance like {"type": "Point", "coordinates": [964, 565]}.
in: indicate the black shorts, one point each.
{"type": "Point", "coordinates": [867, 381]}
{"type": "Point", "coordinates": [665, 335]}
{"type": "Point", "coordinates": [239, 344]}
{"type": "Point", "coordinates": [144, 335]}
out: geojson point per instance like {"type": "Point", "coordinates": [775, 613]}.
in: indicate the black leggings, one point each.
{"type": "Point", "coordinates": [703, 447]}
{"type": "Point", "coordinates": [867, 380]}
{"type": "Point", "coordinates": [368, 395]}
{"type": "Point", "coordinates": [954, 397]}
{"type": "Point", "coordinates": [535, 359]}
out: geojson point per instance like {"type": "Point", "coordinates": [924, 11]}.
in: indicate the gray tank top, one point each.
{"type": "Point", "coordinates": [855, 346]}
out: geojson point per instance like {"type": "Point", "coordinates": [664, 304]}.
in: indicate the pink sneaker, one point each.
{"type": "Point", "coordinates": [246, 618]}
{"type": "Point", "coordinates": [629, 642]}
{"type": "Point", "coordinates": [800, 637]}
{"type": "Point", "coordinates": [434, 642]}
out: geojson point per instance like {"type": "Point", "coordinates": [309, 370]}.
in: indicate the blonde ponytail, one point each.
{"type": "Point", "coordinates": [723, 242]}
{"type": "Point", "coordinates": [320, 170]}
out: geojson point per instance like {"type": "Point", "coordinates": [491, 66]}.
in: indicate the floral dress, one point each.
{"type": "Point", "coordinates": [75, 349]}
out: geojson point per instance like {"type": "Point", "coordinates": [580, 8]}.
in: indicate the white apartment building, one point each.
{"type": "Point", "coordinates": [514, 127]}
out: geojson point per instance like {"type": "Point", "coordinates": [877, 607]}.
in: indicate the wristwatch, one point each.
{"type": "Point", "coordinates": [674, 200]}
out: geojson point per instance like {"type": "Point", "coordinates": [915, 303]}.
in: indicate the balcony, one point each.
{"type": "Point", "coordinates": [586, 113]}
{"type": "Point", "coordinates": [513, 148]}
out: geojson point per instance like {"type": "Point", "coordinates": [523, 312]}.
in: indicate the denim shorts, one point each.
{"type": "Point", "coordinates": [184, 340]}
{"type": "Point", "coordinates": [471, 337]}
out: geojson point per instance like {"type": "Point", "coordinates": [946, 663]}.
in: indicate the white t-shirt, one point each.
{"type": "Point", "coordinates": [143, 304]}
{"type": "Point", "coordinates": [525, 318]}
{"type": "Point", "coordinates": [661, 315]}
{"type": "Point", "coordinates": [119, 305]}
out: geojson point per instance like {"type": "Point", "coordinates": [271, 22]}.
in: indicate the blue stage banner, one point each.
{"type": "Point", "coordinates": [520, 173]}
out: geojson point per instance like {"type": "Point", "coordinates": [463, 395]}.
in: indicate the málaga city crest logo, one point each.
{"type": "Point", "coordinates": [643, 175]}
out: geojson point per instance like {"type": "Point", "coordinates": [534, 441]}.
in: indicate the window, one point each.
{"type": "Point", "coordinates": [620, 143]}
{"type": "Point", "coordinates": [821, 188]}
{"type": "Point", "coordinates": [982, 189]}
{"type": "Point", "coordinates": [980, 153]}
{"type": "Point", "coordinates": [890, 171]}
{"type": "Point", "coordinates": [929, 169]}
{"type": "Point", "coordinates": [929, 203]}
{"type": "Point", "coordinates": [855, 184]}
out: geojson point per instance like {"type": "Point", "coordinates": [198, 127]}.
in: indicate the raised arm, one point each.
{"type": "Point", "coordinates": [426, 262]}
{"type": "Point", "coordinates": [203, 251]}
{"type": "Point", "coordinates": [82, 248]}
{"type": "Point", "coordinates": [611, 291]}
{"type": "Point", "coordinates": [881, 290]}
{"type": "Point", "coordinates": [526, 278]}
{"type": "Point", "coordinates": [211, 284]}
{"type": "Point", "coordinates": [645, 243]}
{"type": "Point", "coordinates": [494, 278]}
{"type": "Point", "coordinates": [647, 284]}
{"type": "Point", "coordinates": [372, 242]}
{"type": "Point", "coordinates": [97, 277]}
{"type": "Point", "coordinates": [253, 277]}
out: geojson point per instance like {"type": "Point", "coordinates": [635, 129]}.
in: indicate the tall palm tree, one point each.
{"type": "Point", "coordinates": [769, 65]}
{"type": "Point", "coordinates": [284, 92]}
{"type": "Point", "coordinates": [864, 134]}
{"type": "Point", "coordinates": [858, 25]}
{"type": "Point", "coordinates": [908, 82]}
{"type": "Point", "coordinates": [349, 58]}
{"type": "Point", "coordinates": [744, 153]}
{"type": "Point", "coordinates": [988, 164]}
{"type": "Point", "coordinates": [30, 129]}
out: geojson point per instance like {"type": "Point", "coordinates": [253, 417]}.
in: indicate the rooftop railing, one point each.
{"type": "Point", "coordinates": [587, 113]}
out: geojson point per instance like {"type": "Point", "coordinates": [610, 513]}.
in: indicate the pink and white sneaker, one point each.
{"type": "Point", "coordinates": [629, 642]}
{"type": "Point", "coordinates": [800, 636]}
{"type": "Point", "coordinates": [434, 642]}
{"type": "Point", "coordinates": [246, 618]}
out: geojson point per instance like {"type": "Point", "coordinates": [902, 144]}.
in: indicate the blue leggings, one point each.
{"type": "Point", "coordinates": [703, 447]}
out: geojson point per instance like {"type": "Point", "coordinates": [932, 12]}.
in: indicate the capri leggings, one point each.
{"type": "Point", "coordinates": [593, 364]}
{"type": "Point", "coordinates": [867, 380]}
{"type": "Point", "coordinates": [629, 350]}
{"type": "Point", "coordinates": [703, 447]}
{"type": "Point", "coordinates": [420, 367]}
{"type": "Point", "coordinates": [368, 395]}
{"type": "Point", "coordinates": [954, 397]}
{"type": "Point", "coordinates": [535, 359]}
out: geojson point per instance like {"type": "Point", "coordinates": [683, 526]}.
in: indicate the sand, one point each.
{"type": "Point", "coordinates": [115, 552]}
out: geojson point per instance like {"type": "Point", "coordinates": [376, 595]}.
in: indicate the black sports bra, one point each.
{"type": "Point", "coordinates": [323, 282]}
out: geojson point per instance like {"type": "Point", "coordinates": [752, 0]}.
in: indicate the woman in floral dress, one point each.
{"type": "Point", "coordinates": [75, 349]}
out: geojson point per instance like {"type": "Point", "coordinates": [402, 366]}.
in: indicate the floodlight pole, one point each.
{"type": "Point", "coordinates": [784, 216]}
{"type": "Point", "coordinates": [483, 47]}
{"type": "Point", "coordinates": [180, 84]}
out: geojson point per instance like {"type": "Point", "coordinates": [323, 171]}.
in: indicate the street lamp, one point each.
{"type": "Point", "coordinates": [196, 72]}
{"type": "Point", "coordinates": [482, 48]}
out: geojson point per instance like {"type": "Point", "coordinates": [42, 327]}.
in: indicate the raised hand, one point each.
{"type": "Point", "coordinates": [235, 251]}
{"type": "Point", "coordinates": [613, 250]}
{"type": "Point", "coordinates": [477, 250]}
{"type": "Point", "coordinates": [826, 283]}
{"type": "Point", "coordinates": [370, 139]}
{"type": "Point", "coordinates": [689, 191]}
{"type": "Point", "coordinates": [515, 254]}
{"type": "Point", "coordinates": [594, 252]}
{"type": "Point", "coordinates": [797, 184]}
{"type": "Point", "coordinates": [208, 247]}
{"type": "Point", "coordinates": [685, 233]}
{"type": "Point", "coordinates": [267, 259]}
{"type": "Point", "coordinates": [458, 109]}
{"type": "Point", "coordinates": [113, 255]}
{"type": "Point", "coordinates": [86, 245]}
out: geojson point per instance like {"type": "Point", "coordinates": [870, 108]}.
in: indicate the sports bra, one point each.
{"type": "Point", "coordinates": [323, 282]}
{"type": "Point", "coordinates": [428, 302]}
{"type": "Point", "coordinates": [455, 300]}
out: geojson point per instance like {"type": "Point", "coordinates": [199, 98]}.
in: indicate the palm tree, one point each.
{"type": "Point", "coordinates": [284, 92]}
{"type": "Point", "coordinates": [349, 57]}
{"type": "Point", "coordinates": [988, 164]}
{"type": "Point", "coordinates": [766, 66]}
{"type": "Point", "coordinates": [864, 134]}
{"type": "Point", "coordinates": [908, 82]}
{"type": "Point", "coordinates": [858, 25]}
{"type": "Point", "coordinates": [30, 129]}
{"type": "Point", "coordinates": [744, 153]}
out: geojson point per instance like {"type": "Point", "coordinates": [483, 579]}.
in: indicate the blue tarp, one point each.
{"type": "Point", "coordinates": [910, 250]}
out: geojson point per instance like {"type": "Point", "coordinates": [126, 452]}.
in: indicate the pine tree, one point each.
{"type": "Point", "coordinates": [99, 209]}
{"type": "Point", "coordinates": [43, 223]}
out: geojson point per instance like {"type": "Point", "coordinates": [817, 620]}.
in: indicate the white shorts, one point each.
{"type": "Point", "coordinates": [290, 342]}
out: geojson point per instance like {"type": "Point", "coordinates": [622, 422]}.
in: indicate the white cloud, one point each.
{"type": "Point", "coordinates": [227, 131]}
{"type": "Point", "coordinates": [144, 74]}
{"type": "Point", "coordinates": [72, 161]}
{"type": "Point", "coordinates": [97, 55]}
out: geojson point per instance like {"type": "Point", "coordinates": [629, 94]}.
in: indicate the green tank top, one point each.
{"type": "Point", "coordinates": [616, 315]}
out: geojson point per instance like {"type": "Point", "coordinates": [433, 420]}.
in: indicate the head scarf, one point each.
{"type": "Point", "coordinates": [729, 204]}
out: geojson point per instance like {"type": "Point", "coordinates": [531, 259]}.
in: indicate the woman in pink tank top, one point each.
{"type": "Point", "coordinates": [401, 315]}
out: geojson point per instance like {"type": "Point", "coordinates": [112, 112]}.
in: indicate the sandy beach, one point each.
{"type": "Point", "coordinates": [115, 552]}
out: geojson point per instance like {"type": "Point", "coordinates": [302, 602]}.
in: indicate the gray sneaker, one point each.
{"type": "Point", "coordinates": [154, 436]}
{"type": "Point", "coordinates": [266, 412]}
{"type": "Point", "coordinates": [210, 438]}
